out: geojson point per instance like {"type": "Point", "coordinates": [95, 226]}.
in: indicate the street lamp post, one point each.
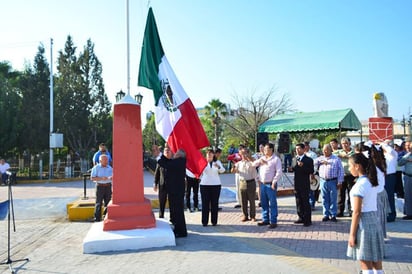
{"type": "Point", "coordinates": [120, 95]}
{"type": "Point", "coordinates": [405, 123]}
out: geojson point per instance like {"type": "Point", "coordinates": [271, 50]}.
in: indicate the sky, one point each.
{"type": "Point", "coordinates": [324, 54]}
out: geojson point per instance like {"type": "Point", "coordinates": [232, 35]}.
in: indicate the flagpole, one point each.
{"type": "Point", "coordinates": [128, 49]}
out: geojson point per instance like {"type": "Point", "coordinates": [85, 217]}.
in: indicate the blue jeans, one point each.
{"type": "Point", "coordinates": [329, 197]}
{"type": "Point", "coordinates": [390, 182]}
{"type": "Point", "coordinates": [269, 203]}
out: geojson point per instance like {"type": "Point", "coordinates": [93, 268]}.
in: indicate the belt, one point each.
{"type": "Point", "coordinates": [105, 185]}
{"type": "Point", "coordinates": [330, 179]}
{"type": "Point", "coordinates": [267, 183]}
{"type": "Point", "coordinates": [409, 175]}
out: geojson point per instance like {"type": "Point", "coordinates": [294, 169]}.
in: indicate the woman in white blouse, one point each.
{"type": "Point", "coordinates": [210, 186]}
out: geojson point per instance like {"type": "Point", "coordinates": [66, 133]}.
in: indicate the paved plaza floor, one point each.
{"type": "Point", "coordinates": [54, 245]}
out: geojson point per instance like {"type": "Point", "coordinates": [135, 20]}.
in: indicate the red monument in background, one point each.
{"type": "Point", "coordinates": [129, 209]}
{"type": "Point", "coordinates": [380, 126]}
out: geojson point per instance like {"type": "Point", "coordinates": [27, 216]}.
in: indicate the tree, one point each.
{"type": "Point", "coordinates": [254, 109]}
{"type": "Point", "coordinates": [83, 109]}
{"type": "Point", "coordinates": [10, 102]}
{"type": "Point", "coordinates": [101, 119]}
{"type": "Point", "coordinates": [150, 135]}
{"type": "Point", "coordinates": [215, 111]}
{"type": "Point", "coordinates": [35, 118]}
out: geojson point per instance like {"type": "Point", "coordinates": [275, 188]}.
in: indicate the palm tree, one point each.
{"type": "Point", "coordinates": [215, 110]}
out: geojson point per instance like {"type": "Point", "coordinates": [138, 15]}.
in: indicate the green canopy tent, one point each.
{"type": "Point", "coordinates": [331, 120]}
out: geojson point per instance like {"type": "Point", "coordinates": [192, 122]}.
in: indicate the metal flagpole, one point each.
{"type": "Point", "coordinates": [51, 111]}
{"type": "Point", "coordinates": [128, 49]}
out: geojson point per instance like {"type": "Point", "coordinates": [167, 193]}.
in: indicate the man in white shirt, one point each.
{"type": "Point", "coordinates": [4, 167]}
{"type": "Point", "coordinates": [391, 157]}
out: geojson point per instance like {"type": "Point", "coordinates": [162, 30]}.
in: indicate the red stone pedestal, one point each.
{"type": "Point", "coordinates": [129, 209]}
{"type": "Point", "coordinates": [380, 129]}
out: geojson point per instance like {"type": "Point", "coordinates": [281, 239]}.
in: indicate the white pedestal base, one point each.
{"type": "Point", "coordinates": [97, 240]}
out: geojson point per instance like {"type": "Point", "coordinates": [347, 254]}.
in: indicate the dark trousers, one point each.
{"type": "Point", "coordinates": [4, 178]}
{"type": "Point", "coordinates": [247, 193]}
{"type": "Point", "coordinates": [346, 186]}
{"type": "Point", "coordinates": [400, 193]}
{"type": "Point", "coordinates": [287, 161]}
{"type": "Point", "coordinates": [103, 194]}
{"type": "Point", "coordinates": [390, 182]}
{"type": "Point", "coordinates": [210, 203]}
{"type": "Point", "coordinates": [303, 207]}
{"type": "Point", "coordinates": [162, 202]}
{"type": "Point", "coordinates": [192, 184]}
{"type": "Point", "coordinates": [176, 207]}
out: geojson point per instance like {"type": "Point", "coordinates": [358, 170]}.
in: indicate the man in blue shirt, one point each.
{"type": "Point", "coordinates": [102, 175]}
{"type": "Point", "coordinates": [102, 150]}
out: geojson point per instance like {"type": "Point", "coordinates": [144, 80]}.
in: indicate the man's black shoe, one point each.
{"type": "Point", "coordinates": [307, 224]}
{"type": "Point", "coordinates": [178, 235]}
{"type": "Point", "coordinates": [271, 226]}
{"type": "Point", "coordinates": [325, 219]}
{"type": "Point", "coordinates": [333, 219]}
{"type": "Point", "coordinates": [237, 206]}
{"type": "Point", "coordinates": [339, 215]}
{"type": "Point", "coordinates": [298, 222]}
{"type": "Point", "coordinates": [407, 217]}
{"type": "Point", "coordinates": [262, 223]}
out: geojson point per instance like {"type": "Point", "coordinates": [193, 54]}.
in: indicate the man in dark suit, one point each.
{"type": "Point", "coordinates": [175, 177]}
{"type": "Point", "coordinates": [303, 168]}
{"type": "Point", "coordinates": [160, 184]}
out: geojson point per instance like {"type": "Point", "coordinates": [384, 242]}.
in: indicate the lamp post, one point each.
{"type": "Point", "coordinates": [138, 97]}
{"type": "Point", "coordinates": [120, 95]}
{"type": "Point", "coordinates": [405, 123]}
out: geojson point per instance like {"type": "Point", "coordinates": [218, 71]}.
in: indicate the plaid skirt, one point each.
{"type": "Point", "coordinates": [369, 239]}
{"type": "Point", "coordinates": [383, 210]}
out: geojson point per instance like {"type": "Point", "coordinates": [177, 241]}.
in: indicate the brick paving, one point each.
{"type": "Point", "coordinates": [54, 245]}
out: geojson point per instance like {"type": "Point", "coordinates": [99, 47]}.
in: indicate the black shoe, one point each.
{"type": "Point", "coordinates": [333, 219]}
{"type": "Point", "coordinates": [180, 235]}
{"type": "Point", "coordinates": [262, 223]}
{"type": "Point", "coordinates": [339, 215]}
{"type": "Point", "coordinates": [219, 209]}
{"type": "Point", "coordinates": [407, 217]}
{"type": "Point", "coordinates": [325, 219]}
{"type": "Point", "coordinates": [204, 224]}
{"type": "Point", "coordinates": [214, 224]}
{"type": "Point", "coordinates": [307, 224]}
{"type": "Point", "coordinates": [298, 221]}
{"type": "Point", "coordinates": [237, 206]}
{"type": "Point", "coordinates": [259, 204]}
{"type": "Point", "coordinates": [272, 226]}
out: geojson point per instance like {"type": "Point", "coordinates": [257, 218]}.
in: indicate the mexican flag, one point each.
{"type": "Point", "coordinates": [176, 118]}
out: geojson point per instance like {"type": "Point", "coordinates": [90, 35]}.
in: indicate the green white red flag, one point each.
{"type": "Point", "coordinates": [176, 117]}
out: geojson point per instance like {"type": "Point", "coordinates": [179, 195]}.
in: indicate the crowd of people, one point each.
{"type": "Point", "coordinates": [363, 179]}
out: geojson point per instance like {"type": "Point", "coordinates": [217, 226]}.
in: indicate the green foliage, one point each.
{"type": "Point", "coordinates": [150, 135]}
{"type": "Point", "coordinates": [10, 103]}
{"type": "Point", "coordinates": [82, 107]}
{"type": "Point", "coordinates": [35, 119]}
{"type": "Point", "coordinates": [214, 112]}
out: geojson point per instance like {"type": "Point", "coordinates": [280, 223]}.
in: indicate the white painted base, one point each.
{"type": "Point", "coordinates": [98, 240]}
